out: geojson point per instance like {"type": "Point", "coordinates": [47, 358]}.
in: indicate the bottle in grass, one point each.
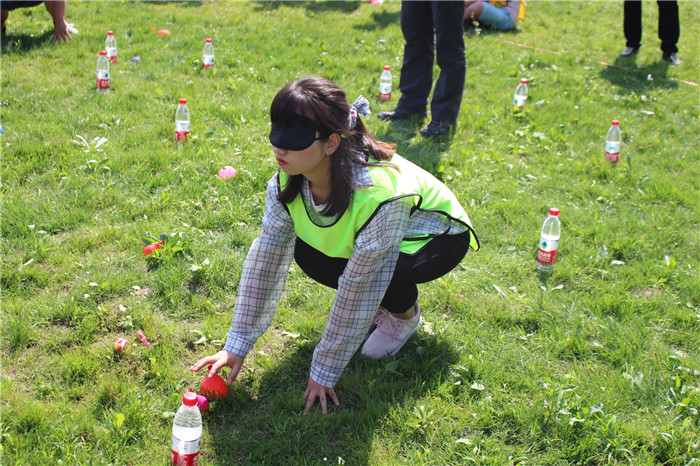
{"type": "Point", "coordinates": [111, 47]}
{"type": "Point", "coordinates": [520, 95]}
{"type": "Point", "coordinates": [208, 54]}
{"type": "Point", "coordinates": [102, 72]}
{"type": "Point", "coordinates": [549, 243]}
{"type": "Point", "coordinates": [187, 432]}
{"type": "Point", "coordinates": [385, 84]}
{"type": "Point", "coordinates": [612, 142]}
{"type": "Point", "coordinates": [182, 121]}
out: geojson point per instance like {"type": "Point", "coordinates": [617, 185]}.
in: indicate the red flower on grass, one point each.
{"type": "Point", "coordinates": [151, 247]}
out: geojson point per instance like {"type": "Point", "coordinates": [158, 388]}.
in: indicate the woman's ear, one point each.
{"type": "Point", "coordinates": [333, 143]}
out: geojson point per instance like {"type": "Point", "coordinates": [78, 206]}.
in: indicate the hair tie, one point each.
{"type": "Point", "coordinates": [361, 107]}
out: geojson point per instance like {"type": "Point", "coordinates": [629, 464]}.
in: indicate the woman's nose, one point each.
{"type": "Point", "coordinates": [279, 151]}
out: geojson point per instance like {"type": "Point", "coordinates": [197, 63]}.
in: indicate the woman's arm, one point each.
{"type": "Point", "coordinates": [360, 291]}
{"type": "Point", "coordinates": [263, 277]}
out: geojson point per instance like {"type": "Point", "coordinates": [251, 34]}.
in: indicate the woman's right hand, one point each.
{"type": "Point", "coordinates": [217, 361]}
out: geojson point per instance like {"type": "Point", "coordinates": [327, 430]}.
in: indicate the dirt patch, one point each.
{"type": "Point", "coordinates": [646, 293]}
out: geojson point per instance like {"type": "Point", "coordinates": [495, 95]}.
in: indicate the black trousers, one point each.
{"type": "Point", "coordinates": [438, 257]}
{"type": "Point", "coordinates": [431, 27]}
{"type": "Point", "coordinates": [669, 27]}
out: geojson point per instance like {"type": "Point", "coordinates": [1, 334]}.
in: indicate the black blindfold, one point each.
{"type": "Point", "coordinates": [297, 136]}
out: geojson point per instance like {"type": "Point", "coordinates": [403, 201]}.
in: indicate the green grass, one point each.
{"type": "Point", "coordinates": [600, 367]}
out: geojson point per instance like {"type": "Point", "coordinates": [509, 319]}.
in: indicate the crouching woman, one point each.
{"type": "Point", "coordinates": [356, 217]}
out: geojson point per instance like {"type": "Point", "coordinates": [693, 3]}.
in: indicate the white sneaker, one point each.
{"type": "Point", "coordinates": [377, 317]}
{"type": "Point", "coordinates": [391, 334]}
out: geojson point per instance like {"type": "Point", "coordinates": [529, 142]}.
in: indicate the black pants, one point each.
{"type": "Point", "coordinates": [433, 261]}
{"type": "Point", "coordinates": [422, 22]}
{"type": "Point", "coordinates": [669, 27]}
{"type": "Point", "coordinates": [13, 5]}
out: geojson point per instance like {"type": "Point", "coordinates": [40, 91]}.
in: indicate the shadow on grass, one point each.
{"type": "Point", "coordinates": [265, 425]}
{"type": "Point", "coordinates": [625, 74]}
{"type": "Point", "coordinates": [190, 3]}
{"type": "Point", "coordinates": [478, 29]}
{"type": "Point", "coordinates": [312, 6]}
{"type": "Point", "coordinates": [23, 43]}
{"type": "Point", "coordinates": [381, 20]}
{"type": "Point", "coordinates": [424, 152]}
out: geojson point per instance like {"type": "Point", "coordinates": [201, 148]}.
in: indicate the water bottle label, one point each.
{"type": "Point", "coordinates": [547, 252]}
{"type": "Point", "coordinates": [385, 91]}
{"type": "Point", "coordinates": [182, 129]}
{"type": "Point", "coordinates": [187, 447]}
{"type": "Point", "coordinates": [112, 55]}
{"type": "Point", "coordinates": [612, 151]}
{"type": "Point", "coordinates": [519, 101]}
{"type": "Point", "coordinates": [184, 459]}
{"type": "Point", "coordinates": [207, 61]}
{"type": "Point", "coordinates": [103, 79]}
{"type": "Point", "coordinates": [546, 257]}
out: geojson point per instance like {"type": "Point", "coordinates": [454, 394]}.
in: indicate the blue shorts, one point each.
{"type": "Point", "coordinates": [496, 18]}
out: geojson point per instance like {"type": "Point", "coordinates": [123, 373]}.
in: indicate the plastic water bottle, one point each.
{"type": "Point", "coordinates": [549, 242]}
{"type": "Point", "coordinates": [385, 84]}
{"type": "Point", "coordinates": [111, 47]}
{"type": "Point", "coordinates": [182, 121]}
{"type": "Point", "coordinates": [102, 72]}
{"type": "Point", "coordinates": [520, 94]}
{"type": "Point", "coordinates": [208, 55]}
{"type": "Point", "coordinates": [612, 142]}
{"type": "Point", "coordinates": [187, 432]}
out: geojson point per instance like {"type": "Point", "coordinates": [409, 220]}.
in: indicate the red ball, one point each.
{"type": "Point", "coordinates": [214, 387]}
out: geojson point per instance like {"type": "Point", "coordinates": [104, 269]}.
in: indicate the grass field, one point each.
{"type": "Point", "coordinates": [600, 366]}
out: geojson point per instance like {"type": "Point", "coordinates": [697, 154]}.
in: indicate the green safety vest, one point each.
{"type": "Point", "coordinates": [389, 183]}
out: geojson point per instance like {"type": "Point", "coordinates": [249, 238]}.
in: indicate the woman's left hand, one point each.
{"type": "Point", "coordinates": [315, 390]}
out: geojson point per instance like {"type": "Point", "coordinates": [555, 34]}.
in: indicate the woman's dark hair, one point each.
{"type": "Point", "coordinates": [325, 104]}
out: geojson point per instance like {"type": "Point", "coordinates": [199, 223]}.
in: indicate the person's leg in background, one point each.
{"type": "Point", "coordinates": [4, 14]}
{"type": "Point", "coordinates": [419, 54]}
{"type": "Point", "coordinates": [632, 26]}
{"type": "Point", "coordinates": [669, 30]}
{"type": "Point", "coordinates": [452, 61]}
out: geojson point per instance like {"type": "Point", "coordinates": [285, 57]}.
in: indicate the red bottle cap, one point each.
{"type": "Point", "coordinates": [615, 123]}
{"type": "Point", "coordinates": [182, 101]}
{"type": "Point", "coordinates": [189, 399]}
{"type": "Point", "coordinates": [523, 80]}
{"type": "Point", "coordinates": [110, 33]}
{"type": "Point", "coordinates": [553, 211]}
{"type": "Point", "coordinates": [387, 67]}
{"type": "Point", "coordinates": [208, 41]}
{"type": "Point", "coordinates": [102, 52]}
